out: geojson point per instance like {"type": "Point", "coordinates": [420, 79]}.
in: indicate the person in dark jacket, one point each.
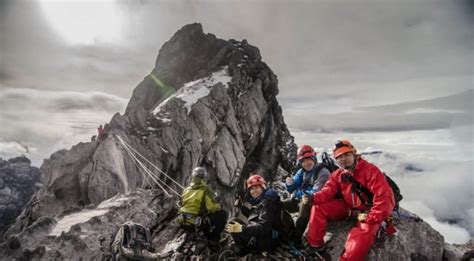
{"type": "Point", "coordinates": [310, 178]}
{"type": "Point", "coordinates": [257, 230]}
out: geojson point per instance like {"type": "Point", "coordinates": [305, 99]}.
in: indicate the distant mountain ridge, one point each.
{"type": "Point", "coordinates": [18, 182]}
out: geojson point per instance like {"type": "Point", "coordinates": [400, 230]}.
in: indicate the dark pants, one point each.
{"type": "Point", "coordinates": [254, 243]}
{"type": "Point", "coordinates": [217, 222]}
{"type": "Point", "coordinates": [293, 205]}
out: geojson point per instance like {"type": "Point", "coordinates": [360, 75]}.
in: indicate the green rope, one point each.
{"type": "Point", "coordinates": [164, 89]}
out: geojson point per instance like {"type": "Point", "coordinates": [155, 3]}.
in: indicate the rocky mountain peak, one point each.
{"type": "Point", "coordinates": [208, 102]}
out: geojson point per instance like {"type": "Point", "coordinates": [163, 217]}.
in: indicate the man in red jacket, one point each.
{"type": "Point", "coordinates": [365, 194]}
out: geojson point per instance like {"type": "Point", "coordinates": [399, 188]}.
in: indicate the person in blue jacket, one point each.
{"type": "Point", "coordinates": [310, 178]}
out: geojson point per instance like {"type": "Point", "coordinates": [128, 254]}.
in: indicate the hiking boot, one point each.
{"type": "Point", "coordinates": [318, 252]}
{"type": "Point", "coordinates": [327, 237]}
{"type": "Point", "coordinates": [224, 238]}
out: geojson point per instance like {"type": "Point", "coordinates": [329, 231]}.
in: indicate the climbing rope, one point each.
{"type": "Point", "coordinates": [153, 165]}
{"type": "Point", "coordinates": [146, 172]}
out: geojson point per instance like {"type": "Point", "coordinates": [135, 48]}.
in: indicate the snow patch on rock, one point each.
{"type": "Point", "coordinates": [191, 92]}
{"type": "Point", "coordinates": [65, 224]}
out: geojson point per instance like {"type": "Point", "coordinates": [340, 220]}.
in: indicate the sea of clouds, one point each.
{"type": "Point", "coordinates": [432, 168]}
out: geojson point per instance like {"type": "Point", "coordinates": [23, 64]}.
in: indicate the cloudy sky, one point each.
{"type": "Point", "coordinates": [350, 66]}
{"type": "Point", "coordinates": [395, 75]}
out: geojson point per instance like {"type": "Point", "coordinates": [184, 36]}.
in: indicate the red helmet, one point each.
{"type": "Point", "coordinates": [256, 180]}
{"type": "Point", "coordinates": [341, 147]}
{"type": "Point", "coordinates": [305, 151]}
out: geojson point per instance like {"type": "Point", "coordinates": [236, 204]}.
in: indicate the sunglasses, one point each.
{"type": "Point", "coordinates": [340, 144]}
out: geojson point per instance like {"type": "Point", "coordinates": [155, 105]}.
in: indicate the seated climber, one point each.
{"type": "Point", "coordinates": [199, 209]}
{"type": "Point", "coordinates": [310, 178]}
{"type": "Point", "coordinates": [257, 229]}
{"type": "Point", "coordinates": [366, 195]}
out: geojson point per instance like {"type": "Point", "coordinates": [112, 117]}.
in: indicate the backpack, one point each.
{"type": "Point", "coordinates": [359, 189]}
{"type": "Point", "coordinates": [198, 224]}
{"type": "Point", "coordinates": [132, 242]}
{"type": "Point", "coordinates": [328, 162]}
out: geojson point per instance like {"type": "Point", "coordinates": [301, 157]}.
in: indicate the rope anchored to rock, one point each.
{"type": "Point", "coordinates": [146, 172]}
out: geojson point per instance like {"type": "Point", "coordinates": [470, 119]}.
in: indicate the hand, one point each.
{"type": "Point", "coordinates": [353, 213]}
{"type": "Point", "coordinates": [233, 227]}
{"type": "Point", "coordinates": [306, 199]}
{"type": "Point", "coordinates": [289, 181]}
{"type": "Point", "coordinates": [362, 217]}
{"type": "Point", "coordinates": [238, 203]}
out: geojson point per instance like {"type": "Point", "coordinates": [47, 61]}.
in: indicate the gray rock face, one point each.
{"type": "Point", "coordinates": [88, 233]}
{"type": "Point", "coordinates": [208, 102]}
{"type": "Point", "coordinates": [18, 182]}
{"type": "Point", "coordinates": [455, 252]}
{"type": "Point", "coordinates": [415, 240]}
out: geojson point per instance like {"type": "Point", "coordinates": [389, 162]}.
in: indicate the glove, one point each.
{"type": "Point", "coordinates": [233, 227]}
{"type": "Point", "coordinates": [238, 203]}
{"type": "Point", "coordinates": [289, 181]}
{"type": "Point", "coordinates": [362, 217]}
{"type": "Point", "coordinates": [306, 199]}
{"type": "Point", "coordinates": [353, 213]}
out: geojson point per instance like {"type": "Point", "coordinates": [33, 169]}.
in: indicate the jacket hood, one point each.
{"type": "Point", "coordinates": [199, 183]}
{"type": "Point", "coordinates": [270, 193]}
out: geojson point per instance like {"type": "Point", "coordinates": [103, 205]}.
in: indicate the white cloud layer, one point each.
{"type": "Point", "coordinates": [46, 121]}
{"type": "Point", "coordinates": [452, 233]}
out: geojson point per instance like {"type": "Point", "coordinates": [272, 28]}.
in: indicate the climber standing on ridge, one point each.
{"type": "Point", "coordinates": [258, 230]}
{"type": "Point", "coordinates": [199, 209]}
{"type": "Point", "coordinates": [101, 133]}
{"type": "Point", "coordinates": [354, 173]}
{"type": "Point", "coordinates": [310, 178]}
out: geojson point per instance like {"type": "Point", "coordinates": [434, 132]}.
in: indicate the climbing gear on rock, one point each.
{"type": "Point", "coordinates": [133, 241]}
{"type": "Point", "coordinates": [147, 173]}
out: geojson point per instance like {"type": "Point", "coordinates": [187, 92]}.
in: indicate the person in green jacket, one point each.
{"type": "Point", "coordinates": [200, 209]}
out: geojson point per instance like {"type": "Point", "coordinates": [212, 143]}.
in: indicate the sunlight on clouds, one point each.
{"type": "Point", "coordinates": [84, 22]}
